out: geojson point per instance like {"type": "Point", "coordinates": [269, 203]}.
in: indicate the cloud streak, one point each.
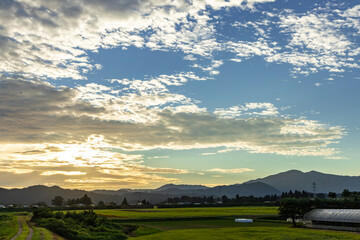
{"type": "Point", "coordinates": [235, 170]}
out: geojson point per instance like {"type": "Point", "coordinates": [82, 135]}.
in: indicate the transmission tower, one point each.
{"type": "Point", "coordinates": [314, 188]}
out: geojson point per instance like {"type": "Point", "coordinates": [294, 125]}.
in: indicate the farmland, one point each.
{"type": "Point", "coordinates": [185, 223]}
{"type": "Point", "coordinates": [215, 223]}
{"type": "Point", "coordinates": [187, 212]}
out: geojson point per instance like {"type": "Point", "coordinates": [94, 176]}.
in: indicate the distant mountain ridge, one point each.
{"type": "Point", "coordinates": [181, 187]}
{"type": "Point", "coordinates": [273, 184]}
{"type": "Point", "coordinates": [35, 194]}
{"type": "Point", "coordinates": [295, 179]}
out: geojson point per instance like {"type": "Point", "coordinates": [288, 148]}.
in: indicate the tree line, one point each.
{"type": "Point", "coordinates": [224, 199]}
{"type": "Point", "coordinates": [296, 207]}
{"type": "Point", "coordinates": [59, 201]}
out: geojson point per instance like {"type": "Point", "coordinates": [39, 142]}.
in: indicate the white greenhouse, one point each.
{"type": "Point", "coordinates": [337, 219]}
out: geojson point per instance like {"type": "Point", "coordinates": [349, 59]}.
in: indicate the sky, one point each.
{"type": "Point", "coordinates": [110, 94]}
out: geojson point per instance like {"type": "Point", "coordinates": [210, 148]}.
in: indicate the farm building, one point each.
{"type": "Point", "coordinates": [336, 219]}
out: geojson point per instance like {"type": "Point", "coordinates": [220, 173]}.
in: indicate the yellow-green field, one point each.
{"type": "Point", "coordinates": [187, 212]}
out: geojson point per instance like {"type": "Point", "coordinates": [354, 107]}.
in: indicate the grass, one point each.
{"type": "Point", "coordinates": [187, 212]}
{"type": "Point", "coordinates": [8, 226]}
{"type": "Point", "coordinates": [144, 230]}
{"type": "Point", "coordinates": [42, 233]}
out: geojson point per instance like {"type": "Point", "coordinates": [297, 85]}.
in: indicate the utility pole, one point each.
{"type": "Point", "coordinates": [314, 188]}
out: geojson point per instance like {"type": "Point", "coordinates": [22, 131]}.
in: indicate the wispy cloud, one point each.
{"type": "Point", "coordinates": [71, 173]}
{"type": "Point", "coordinates": [234, 170]}
{"type": "Point", "coordinates": [207, 154]}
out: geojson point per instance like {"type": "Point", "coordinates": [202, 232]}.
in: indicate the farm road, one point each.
{"type": "Point", "coordinates": [20, 230]}
{"type": "Point", "coordinates": [31, 232]}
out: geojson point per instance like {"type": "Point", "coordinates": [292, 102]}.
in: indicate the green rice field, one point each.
{"type": "Point", "coordinates": [187, 212]}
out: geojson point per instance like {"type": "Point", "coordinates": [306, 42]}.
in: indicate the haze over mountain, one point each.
{"type": "Point", "coordinates": [295, 179]}
{"type": "Point", "coordinates": [182, 187]}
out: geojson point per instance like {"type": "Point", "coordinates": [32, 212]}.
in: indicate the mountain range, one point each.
{"type": "Point", "coordinates": [274, 184]}
{"type": "Point", "coordinates": [324, 183]}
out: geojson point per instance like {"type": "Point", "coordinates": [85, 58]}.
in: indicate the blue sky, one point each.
{"type": "Point", "coordinates": [119, 94]}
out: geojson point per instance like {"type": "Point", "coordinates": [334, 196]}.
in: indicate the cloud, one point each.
{"type": "Point", "coordinates": [49, 173]}
{"type": "Point", "coordinates": [36, 112]}
{"type": "Point", "coordinates": [352, 12]}
{"type": "Point", "coordinates": [158, 157]}
{"type": "Point", "coordinates": [86, 165]}
{"type": "Point", "coordinates": [211, 69]}
{"type": "Point", "coordinates": [235, 170]}
{"type": "Point", "coordinates": [315, 32]}
{"type": "Point", "coordinates": [207, 154]}
{"type": "Point", "coordinates": [312, 41]}
{"type": "Point", "coordinates": [53, 38]}
{"type": "Point", "coordinates": [54, 134]}
{"type": "Point", "coordinates": [190, 57]}
{"type": "Point", "coordinates": [267, 109]}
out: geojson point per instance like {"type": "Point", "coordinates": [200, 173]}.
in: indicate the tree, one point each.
{"type": "Point", "coordinates": [124, 202]}
{"type": "Point", "coordinates": [101, 204]}
{"type": "Point", "coordinates": [332, 195]}
{"type": "Point", "coordinates": [294, 208]}
{"type": "Point", "coordinates": [224, 199]}
{"type": "Point", "coordinates": [85, 200]}
{"type": "Point", "coordinates": [70, 202]}
{"type": "Point", "coordinates": [58, 201]}
{"type": "Point", "coordinates": [346, 193]}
